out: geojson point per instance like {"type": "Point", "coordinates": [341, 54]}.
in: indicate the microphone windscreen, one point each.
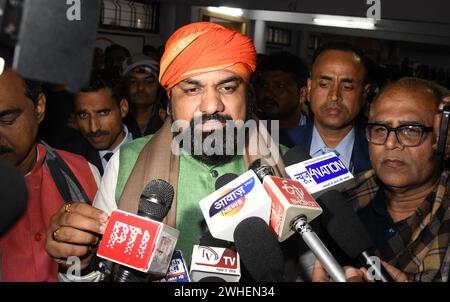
{"type": "Point", "coordinates": [343, 224]}
{"type": "Point", "coordinates": [259, 250]}
{"type": "Point", "coordinates": [224, 179]}
{"type": "Point", "coordinates": [156, 199]}
{"type": "Point", "coordinates": [211, 279]}
{"type": "Point", "coordinates": [14, 196]}
{"type": "Point", "coordinates": [295, 155]}
{"type": "Point", "coordinates": [208, 240]}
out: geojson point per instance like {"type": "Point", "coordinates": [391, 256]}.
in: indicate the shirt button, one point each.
{"type": "Point", "coordinates": [391, 231]}
{"type": "Point", "coordinates": [214, 173]}
{"type": "Point", "coordinates": [38, 237]}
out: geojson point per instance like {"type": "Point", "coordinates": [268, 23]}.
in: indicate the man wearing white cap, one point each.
{"type": "Point", "coordinates": [144, 95]}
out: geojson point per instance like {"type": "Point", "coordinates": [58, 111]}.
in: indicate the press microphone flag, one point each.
{"type": "Point", "coordinates": [138, 242]}
{"type": "Point", "coordinates": [320, 174]}
{"type": "Point", "coordinates": [239, 199]}
{"type": "Point", "coordinates": [178, 271]}
{"type": "Point", "coordinates": [218, 262]}
{"type": "Point", "coordinates": [289, 200]}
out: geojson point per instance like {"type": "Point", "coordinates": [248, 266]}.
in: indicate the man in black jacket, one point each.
{"type": "Point", "coordinates": [99, 110]}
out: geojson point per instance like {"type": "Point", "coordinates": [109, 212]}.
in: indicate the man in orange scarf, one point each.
{"type": "Point", "coordinates": [205, 70]}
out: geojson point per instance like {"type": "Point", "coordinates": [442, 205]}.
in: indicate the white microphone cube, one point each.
{"type": "Point", "coordinates": [321, 173]}
{"type": "Point", "coordinates": [241, 198]}
{"type": "Point", "coordinates": [217, 262]}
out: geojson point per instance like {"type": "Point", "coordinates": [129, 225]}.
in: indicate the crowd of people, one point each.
{"type": "Point", "coordinates": [94, 151]}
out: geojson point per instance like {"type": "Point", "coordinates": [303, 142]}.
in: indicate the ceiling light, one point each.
{"type": "Point", "coordinates": [229, 11]}
{"type": "Point", "coordinates": [347, 23]}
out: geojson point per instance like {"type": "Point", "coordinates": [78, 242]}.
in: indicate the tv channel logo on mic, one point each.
{"type": "Point", "coordinates": [320, 174]}
{"type": "Point", "coordinates": [241, 198]}
{"type": "Point", "coordinates": [289, 199]}
{"type": "Point", "coordinates": [138, 242]}
{"type": "Point", "coordinates": [215, 261]}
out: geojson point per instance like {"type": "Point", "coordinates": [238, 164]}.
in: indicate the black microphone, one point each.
{"type": "Point", "coordinates": [14, 200]}
{"type": "Point", "coordinates": [155, 203]}
{"type": "Point", "coordinates": [345, 227]}
{"type": "Point", "coordinates": [292, 211]}
{"type": "Point", "coordinates": [259, 250]}
{"type": "Point", "coordinates": [208, 240]}
{"type": "Point", "coordinates": [224, 179]}
{"type": "Point", "coordinates": [295, 155]}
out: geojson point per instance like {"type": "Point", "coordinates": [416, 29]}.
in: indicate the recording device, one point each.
{"type": "Point", "coordinates": [295, 155]}
{"type": "Point", "coordinates": [224, 179]}
{"type": "Point", "coordinates": [347, 230]}
{"type": "Point", "coordinates": [320, 174]}
{"type": "Point", "coordinates": [14, 196]}
{"type": "Point", "coordinates": [292, 210]}
{"type": "Point", "coordinates": [60, 49]}
{"type": "Point", "coordinates": [289, 200]}
{"type": "Point", "coordinates": [259, 250]}
{"type": "Point", "coordinates": [141, 243]}
{"type": "Point", "coordinates": [236, 200]}
{"type": "Point", "coordinates": [443, 131]}
{"type": "Point", "coordinates": [215, 260]}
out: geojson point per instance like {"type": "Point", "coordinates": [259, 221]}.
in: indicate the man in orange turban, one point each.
{"type": "Point", "coordinates": [205, 70]}
{"type": "Point", "coordinates": [204, 47]}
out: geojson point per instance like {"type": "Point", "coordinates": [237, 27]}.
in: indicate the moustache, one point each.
{"type": "Point", "coordinates": [97, 134]}
{"type": "Point", "coordinates": [210, 117]}
{"type": "Point", "coordinates": [5, 149]}
{"type": "Point", "coordinates": [333, 105]}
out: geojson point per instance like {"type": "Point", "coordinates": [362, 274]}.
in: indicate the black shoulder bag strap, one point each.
{"type": "Point", "coordinates": [66, 182]}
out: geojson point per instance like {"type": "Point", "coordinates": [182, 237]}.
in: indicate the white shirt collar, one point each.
{"type": "Point", "coordinates": [128, 137]}
{"type": "Point", "coordinates": [344, 148]}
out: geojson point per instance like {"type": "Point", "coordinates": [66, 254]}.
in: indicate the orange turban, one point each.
{"type": "Point", "coordinates": [204, 47]}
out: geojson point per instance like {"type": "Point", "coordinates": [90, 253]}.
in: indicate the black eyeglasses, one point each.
{"type": "Point", "coordinates": [407, 135]}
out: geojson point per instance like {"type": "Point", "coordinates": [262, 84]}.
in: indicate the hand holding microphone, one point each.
{"type": "Point", "coordinates": [345, 227]}
{"type": "Point", "coordinates": [74, 231]}
{"type": "Point", "coordinates": [141, 243]}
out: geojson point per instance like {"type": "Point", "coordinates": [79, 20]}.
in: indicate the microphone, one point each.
{"type": "Point", "coordinates": [319, 174]}
{"type": "Point", "coordinates": [345, 227]}
{"type": "Point", "coordinates": [202, 271]}
{"type": "Point", "coordinates": [289, 200]}
{"type": "Point", "coordinates": [224, 179]}
{"type": "Point", "coordinates": [292, 210]}
{"type": "Point", "coordinates": [14, 200]}
{"type": "Point", "coordinates": [141, 243]}
{"type": "Point", "coordinates": [235, 200]}
{"type": "Point", "coordinates": [178, 271]}
{"type": "Point", "coordinates": [259, 250]}
{"type": "Point", "coordinates": [295, 155]}
{"type": "Point", "coordinates": [214, 263]}
{"type": "Point", "coordinates": [208, 240]}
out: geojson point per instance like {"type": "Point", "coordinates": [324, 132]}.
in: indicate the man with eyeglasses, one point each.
{"type": "Point", "coordinates": [404, 200]}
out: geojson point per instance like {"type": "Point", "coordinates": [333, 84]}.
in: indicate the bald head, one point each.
{"type": "Point", "coordinates": [429, 90]}
{"type": "Point", "coordinates": [410, 105]}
